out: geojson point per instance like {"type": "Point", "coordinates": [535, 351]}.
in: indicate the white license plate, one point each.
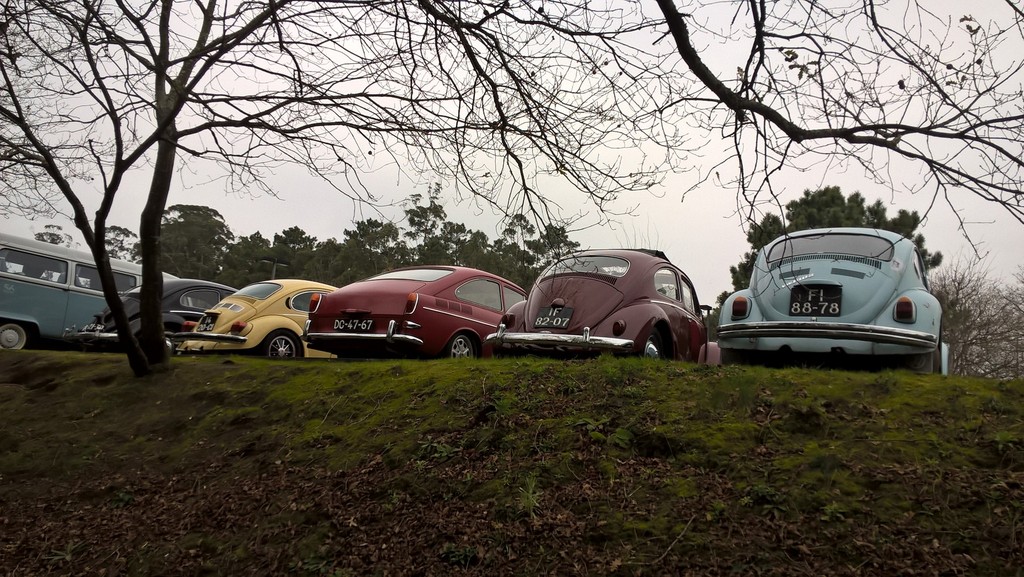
{"type": "Point", "coordinates": [353, 325]}
{"type": "Point", "coordinates": [93, 328]}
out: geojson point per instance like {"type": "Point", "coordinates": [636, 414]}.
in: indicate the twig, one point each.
{"type": "Point", "coordinates": [670, 545]}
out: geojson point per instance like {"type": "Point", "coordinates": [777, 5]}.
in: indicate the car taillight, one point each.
{"type": "Point", "coordinates": [188, 326]}
{"type": "Point", "coordinates": [238, 326]}
{"type": "Point", "coordinates": [410, 303]}
{"type": "Point", "coordinates": [740, 308]}
{"type": "Point", "coordinates": [508, 320]}
{"type": "Point", "coordinates": [618, 327]}
{"type": "Point", "coordinates": [904, 310]}
{"type": "Point", "coordinates": [314, 302]}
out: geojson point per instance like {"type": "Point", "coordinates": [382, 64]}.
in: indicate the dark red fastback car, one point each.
{"type": "Point", "coordinates": [421, 311]}
{"type": "Point", "coordinates": [621, 301]}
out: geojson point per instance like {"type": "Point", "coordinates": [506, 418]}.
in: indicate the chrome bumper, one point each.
{"type": "Point", "coordinates": [91, 337]}
{"type": "Point", "coordinates": [584, 341]}
{"type": "Point", "coordinates": [207, 337]}
{"type": "Point", "coordinates": [836, 331]}
{"type": "Point", "coordinates": [390, 337]}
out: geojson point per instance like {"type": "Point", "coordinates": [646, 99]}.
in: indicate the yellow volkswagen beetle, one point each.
{"type": "Point", "coordinates": [264, 318]}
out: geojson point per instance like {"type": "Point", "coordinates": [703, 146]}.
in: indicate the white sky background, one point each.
{"type": "Point", "coordinates": [702, 233]}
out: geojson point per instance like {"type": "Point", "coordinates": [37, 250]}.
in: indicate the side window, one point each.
{"type": "Point", "coordinates": [919, 269]}
{"type": "Point", "coordinates": [300, 302]}
{"type": "Point", "coordinates": [665, 283]}
{"type": "Point", "coordinates": [33, 265]}
{"type": "Point", "coordinates": [689, 301]}
{"type": "Point", "coordinates": [483, 292]}
{"type": "Point", "coordinates": [124, 282]}
{"type": "Point", "coordinates": [511, 297]}
{"type": "Point", "coordinates": [89, 278]}
{"type": "Point", "coordinates": [201, 299]}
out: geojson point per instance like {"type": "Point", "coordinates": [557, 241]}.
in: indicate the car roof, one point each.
{"type": "Point", "coordinates": [889, 235]}
{"type": "Point", "coordinates": [627, 253]}
{"type": "Point", "coordinates": [296, 283]}
{"type": "Point", "coordinates": [462, 271]}
{"type": "Point", "coordinates": [181, 283]}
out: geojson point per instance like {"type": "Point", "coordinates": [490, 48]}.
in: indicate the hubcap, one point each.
{"type": "Point", "coordinates": [651, 350]}
{"type": "Point", "coordinates": [9, 338]}
{"type": "Point", "coordinates": [461, 348]}
{"type": "Point", "coordinates": [281, 347]}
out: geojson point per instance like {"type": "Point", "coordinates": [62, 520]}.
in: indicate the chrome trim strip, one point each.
{"type": "Point", "coordinates": [838, 331]}
{"type": "Point", "coordinates": [451, 314]}
{"type": "Point", "coordinates": [92, 336]}
{"type": "Point", "coordinates": [584, 341]}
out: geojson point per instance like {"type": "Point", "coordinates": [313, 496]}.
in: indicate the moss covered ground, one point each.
{"type": "Point", "coordinates": [611, 466]}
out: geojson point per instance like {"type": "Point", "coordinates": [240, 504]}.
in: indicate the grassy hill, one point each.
{"type": "Point", "coordinates": [239, 466]}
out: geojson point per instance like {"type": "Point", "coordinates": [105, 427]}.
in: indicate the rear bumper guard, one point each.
{"type": "Point", "coordinates": [836, 331]}
{"type": "Point", "coordinates": [207, 337]}
{"type": "Point", "coordinates": [584, 341]}
{"type": "Point", "coordinates": [390, 336]}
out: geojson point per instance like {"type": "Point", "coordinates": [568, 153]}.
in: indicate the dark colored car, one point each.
{"type": "Point", "coordinates": [183, 300]}
{"type": "Point", "coordinates": [621, 301]}
{"type": "Point", "coordinates": [422, 311]}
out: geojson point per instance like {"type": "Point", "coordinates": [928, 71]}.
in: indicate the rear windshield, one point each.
{"type": "Point", "coordinates": [259, 291]}
{"type": "Point", "coordinates": [847, 244]}
{"type": "Point", "coordinates": [420, 274]}
{"type": "Point", "coordinates": [606, 265]}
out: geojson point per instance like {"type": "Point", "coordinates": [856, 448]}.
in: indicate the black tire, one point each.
{"type": "Point", "coordinates": [461, 346]}
{"type": "Point", "coordinates": [13, 336]}
{"type": "Point", "coordinates": [653, 348]}
{"type": "Point", "coordinates": [282, 344]}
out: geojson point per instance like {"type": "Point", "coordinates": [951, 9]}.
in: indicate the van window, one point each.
{"type": "Point", "coordinates": [33, 265]}
{"type": "Point", "coordinates": [88, 277]}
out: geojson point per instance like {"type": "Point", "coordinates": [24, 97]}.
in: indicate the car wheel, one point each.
{"type": "Point", "coordinates": [461, 347]}
{"type": "Point", "coordinates": [923, 363]}
{"type": "Point", "coordinates": [13, 336]}
{"type": "Point", "coordinates": [282, 344]}
{"type": "Point", "coordinates": [653, 348]}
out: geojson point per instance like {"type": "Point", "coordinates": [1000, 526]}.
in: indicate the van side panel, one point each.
{"type": "Point", "coordinates": [48, 288]}
{"type": "Point", "coordinates": [38, 303]}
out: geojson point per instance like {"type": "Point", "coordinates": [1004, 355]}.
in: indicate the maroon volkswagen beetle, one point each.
{"type": "Point", "coordinates": [623, 301]}
{"type": "Point", "coordinates": [422, 311]}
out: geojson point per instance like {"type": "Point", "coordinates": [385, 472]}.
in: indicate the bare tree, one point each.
{"type": "Point", "coordinates": [923, 97]}
{"type": "Point", "coordinates": [95, 89]}
{"type": "Point", "coordinates": [981, 320]}
{"type": "Point", "coordinates": [491, 95]}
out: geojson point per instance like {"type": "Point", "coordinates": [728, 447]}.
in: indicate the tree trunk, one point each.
{"type": "Point", "coordinates": [152, 339]}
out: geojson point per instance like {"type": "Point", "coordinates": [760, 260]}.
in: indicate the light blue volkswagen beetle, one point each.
{"type": "Point", "coordinates": [845, 296]}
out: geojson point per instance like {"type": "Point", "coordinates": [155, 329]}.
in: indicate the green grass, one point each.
{"type": "Point", "coordinates": [515, 466]}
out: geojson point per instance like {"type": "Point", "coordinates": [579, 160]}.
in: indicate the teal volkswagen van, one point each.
{"type": "Point", "coordinates": [48, 290]}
